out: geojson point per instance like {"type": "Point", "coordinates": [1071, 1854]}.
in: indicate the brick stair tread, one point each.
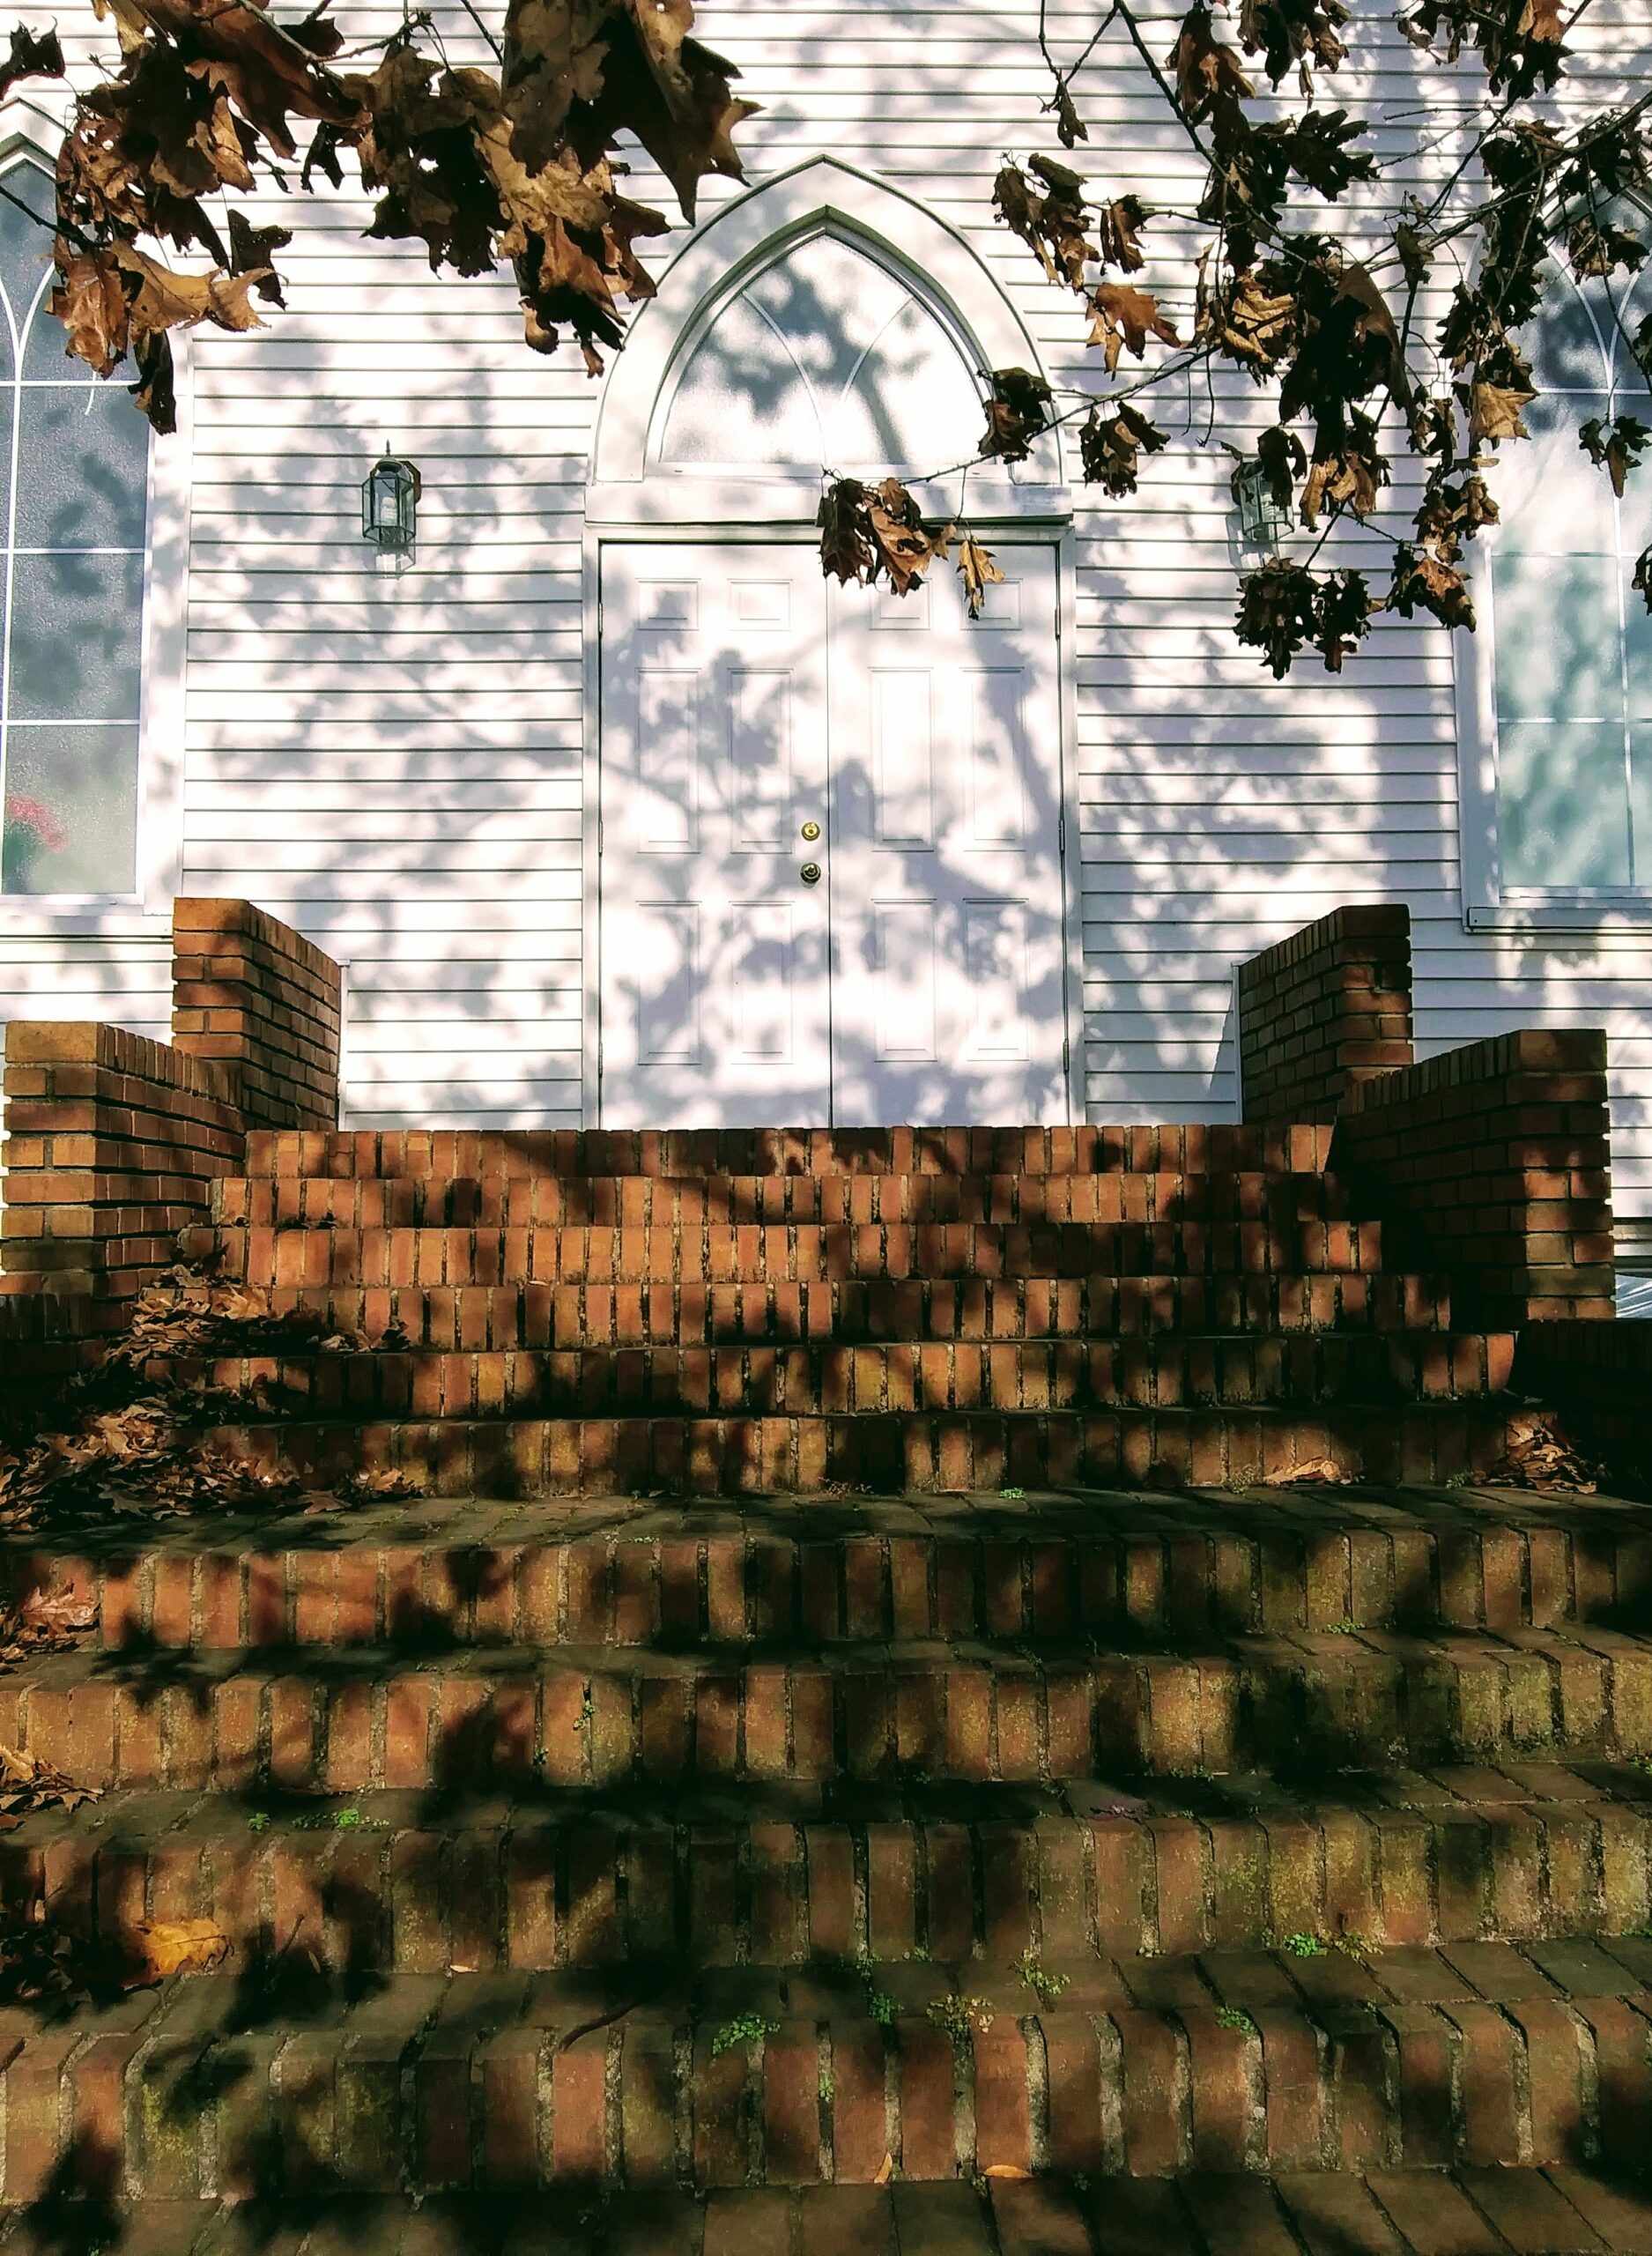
{"type": "Point", "coordinates": [1558, 2212]}
{"type": "Point", "coordinates": [630, 1569]}
{"type": "Point", "coordinates": [1081, 1870]}
{"type": "Point", "coordinates": [1297, 1705]}
{"type": "Point", "coordinates": [434, 2080]}
{"type": "Point", "coordinates": [1176, 1370]}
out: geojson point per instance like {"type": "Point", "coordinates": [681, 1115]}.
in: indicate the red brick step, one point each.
{"type": "Point", "coordinates": [568, 1716]}
{"type": "Point", "coordinates": [782, 2077]}
{"type": "Point", "coordinates": [917, 1453]}
{"type": "Point", "coordinates": [391, 1882]}
{"type": "Point", "coordinates": [820, 1570]}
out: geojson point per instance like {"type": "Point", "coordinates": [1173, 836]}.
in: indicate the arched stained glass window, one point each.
{"type": "Point", "coordinates": [1572, 657]}
{"type": "Point", "coordinates": [823, 358]}
{"type": "Point", "coordinates": [74, 467]}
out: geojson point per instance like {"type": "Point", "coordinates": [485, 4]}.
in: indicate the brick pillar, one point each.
{"type": "Point", "coordinates": [1323, 1011]}
{"type": "Point", "coordinates": [113, 1146]}
{"type": "Point", "coordinates": [1492, 1164]}
{"type": "Point", "coordinates": [249, 992]}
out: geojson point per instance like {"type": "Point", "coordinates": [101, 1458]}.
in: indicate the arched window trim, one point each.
{"type": "Point", "coordinates": [30, 135]}
{"type": "Point", "coordinates": [944, 272]}
{"type": "Point", "coordinates": [1489, 902]}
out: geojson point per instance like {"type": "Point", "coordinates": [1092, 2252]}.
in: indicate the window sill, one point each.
{"type": "Point", "coordinates": [106, 917]}
{"type": "Point", "coordinates": [1625, 913]}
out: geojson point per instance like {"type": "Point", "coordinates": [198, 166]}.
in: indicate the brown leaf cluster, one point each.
{"type": "Point", "coordinates": [1018, 412]}
{"type": "Point", "coordinates": [45, 1621]}
{"type": "Point", "coordinates": [515, 169]}
{"type": "Point", "coordinates": [868, 532]}
{"type": "Point", "coordinates": [29, 1782]}
{"type": "Point", "coordinates": [1519, 40]}
{"type": "Point", "coordinates": [1111, 446]}
{"type": "Point", "coordinates": [1283, 608]}
{"type": "Point", "coordinates": [1538, 1455]}
{"type": "Point", "coordinates": [1122, 320]}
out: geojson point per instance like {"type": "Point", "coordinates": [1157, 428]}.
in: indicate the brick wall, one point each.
{"type": "Point", "coordinates": [1323, 1011]}
{"type": "Point", "coordinates": [249, 992]}
{"type": "Point", "coordinates": [113, 1145]}
{"type": "Point", "coordinates": [1493, 1168]}
{"type": "Point", "coordinates": [1599, 1377]}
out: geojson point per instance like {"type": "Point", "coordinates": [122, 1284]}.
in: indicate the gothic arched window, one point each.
{"type": "Point", "coordinates": [1571, 662]}
{"type": "Point", "coordinates": [824, 358]}
{"type": "Point", "coordinates": [74, 476]}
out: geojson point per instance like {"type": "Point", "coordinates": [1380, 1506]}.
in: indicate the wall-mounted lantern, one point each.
{"type": "Point", "coordinates": [1263, 522]}
{"type": "Point", "coordinates": [390, 505]}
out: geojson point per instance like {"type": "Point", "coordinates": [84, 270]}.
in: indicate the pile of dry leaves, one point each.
{"type": "Point", "coordinates": [1539, 1456]}
{"type": "Point", "coordinates": [127, 1437]}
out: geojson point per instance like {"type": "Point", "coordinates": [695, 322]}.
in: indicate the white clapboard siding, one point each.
{"type": "Point", "coordinates": [395, 761]}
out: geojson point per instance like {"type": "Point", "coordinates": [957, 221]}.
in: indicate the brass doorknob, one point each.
{"type": "Point", "coordinates": [810, 873]}
{"type": "Point", "coordinates": [812, 831]}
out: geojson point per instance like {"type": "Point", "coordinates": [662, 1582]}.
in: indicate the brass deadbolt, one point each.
{"type": "Point", "coordinates": [812, 831]}
{"type": "Point", "coordinates": [810, 873]}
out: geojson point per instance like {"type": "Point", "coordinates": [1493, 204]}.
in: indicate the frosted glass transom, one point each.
{"type": "Point", "coordinates": [825, 359]}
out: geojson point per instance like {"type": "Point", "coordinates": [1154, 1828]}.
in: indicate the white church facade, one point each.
{"type": "Point", "coordinates": [616, 812]}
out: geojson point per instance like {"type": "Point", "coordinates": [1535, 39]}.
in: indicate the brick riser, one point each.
{"type": "Point", "coordinates": [838, 1379]}
{"type": "Point", "coordinates": [538, 1891]}
{"type": "Point", "coordinates": [597, 1313]}
{"type": "Point", "coordinates": [787, 1253]}
{"type": "Point", "coordinates": [493, 2101]}
{"type": "Point", "coordinates": [1223, 1148]}
{"type": "Point", "coordinates": [728, 1591]}
{"type": "Point", "coordinates": [694, 1202]}
{"type": "Point", "coordinates": [922, 1453]}
{"type": "Point", "coordinates": [1300, 1707]}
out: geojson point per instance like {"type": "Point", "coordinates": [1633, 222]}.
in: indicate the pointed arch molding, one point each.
{"type": "Point", "coordinates": [749, 233]}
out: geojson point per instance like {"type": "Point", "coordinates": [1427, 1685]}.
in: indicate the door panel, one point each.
{"type": "Point", "coordinates": [713, 755]}
{"type": "Point", "coordinates": [948, 969]}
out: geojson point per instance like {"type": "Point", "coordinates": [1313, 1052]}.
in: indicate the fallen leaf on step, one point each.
{"type": "Point", "coordinates": [178, 1946]}
{"type": "Point", "coordinates": [1538, 1455]}
{"type": "Point", "coordinates": [378, 1485]}
{"type": "Point", "coordinates": [886, 2171]}
{"type": "Point", "coordinates": [1005, 2169]}
{"type": "Point", "coordinates": [30, 1782]}
{"type": "Point", "coordinates": [1325, 1470]}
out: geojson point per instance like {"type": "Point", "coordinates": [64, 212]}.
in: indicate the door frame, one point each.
{"type": "Point", "coordinates": [1039, 529]}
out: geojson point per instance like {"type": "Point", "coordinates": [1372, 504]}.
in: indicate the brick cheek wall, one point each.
{"type": "Point", "coordinates": [113, 1146]}
{"type": "Point", "coordinates": [1323, 1011]}
{"type": "Point", "coordinates": [248, 992]}
{"type": "Point", "coordinates": [1492, 1164]}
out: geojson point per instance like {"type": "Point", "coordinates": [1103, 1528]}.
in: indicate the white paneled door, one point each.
{"type": "Point", "coordinates": [831, 880]}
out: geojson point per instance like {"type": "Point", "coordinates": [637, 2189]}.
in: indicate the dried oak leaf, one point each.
{"type": "Point", "coordinates": [1323, 1472]}
{"type": "Point", "coordinates": [1284, 459]}
{"type": "Point", "coordinates": [1207, 76]}
{"type": "Point", "coordinates": [1348, 471]}
{"type": "Point", "coordinates": [380, 1484]}
{"type": "Point", "coordinates": [1618, 445]}
{"type": "Point", "coordinates": [846, 552]}
{"type": "Point", "coordinates": [32, 55]}
{"type": "Point", "coordinates": [1123, 318]}
{"type": "Point", "coordinates": [1424, 580]}
{"type": "Point", "coordinates": [976, 567]}
{"type": "Point", "coordinates": [1118, 234]}
{"type": "Point", "coordinates": [903, 548]}
{"type": "Point", "coordinates": [1294, 31]}
{"type": "Point", "coordinates": [163, 1948]}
